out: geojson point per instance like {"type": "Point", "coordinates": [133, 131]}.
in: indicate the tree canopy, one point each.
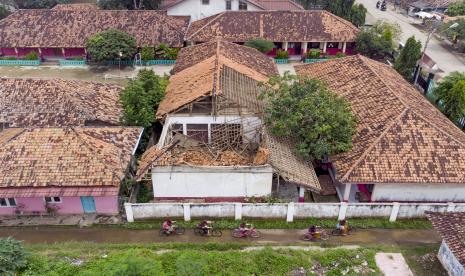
{"type": "Point", "coordinates": [456, 9]}
{"type": "Point", "coordinates": [141, 98]}
{"type": "Point", "coordinates": [319, 120]}
{"type": "Point", "coordinates": [109, 44]}
{"type": "Point", "coordinates": [4, 12]}
{"type": "Point", "coordinates": [129, 4]}
{"type": "Point", "coordinates": [346, 9]}
{"type": "Point", "coordinates": [12, 256]}
{"type": "Point", "coordinates": [36, 4]}
{"type": "Point", "coordinates": [262, 45]}
{"type": "Point", "coordinates": [358, 15]}
{"type": "Point", "coordinates": [407, 60]}
{"type": "Point", "coordinates": [377, 42]}
{"type": "Point", "coordinates": [450, 94]}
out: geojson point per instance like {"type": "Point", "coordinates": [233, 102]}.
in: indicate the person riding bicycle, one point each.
{"type": "Point", "coordinates": [342, 225]}
{"type": "Point", "coordinates": [168, 226]}
{"type": "Point", "coordinates": [244, 228]}
{"type": "Point", "coordinates": [204, 225]}
{"type": "Point", "coordinates": [313, 232]}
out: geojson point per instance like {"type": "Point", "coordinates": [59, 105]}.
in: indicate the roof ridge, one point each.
{"type": "Point", "coordinates": [375, 142]}
{"type": "Point", "coordinates": [215, 17]}
{"type": "Point", "coordinates": [12, 137]}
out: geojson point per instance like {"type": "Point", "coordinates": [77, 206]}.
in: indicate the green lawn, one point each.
{"type": "Point", "coordinates": [216, 259]}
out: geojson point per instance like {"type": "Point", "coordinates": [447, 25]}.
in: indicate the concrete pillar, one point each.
{"type": "Point", "coordinates": [342, 211]}
{"type": "Point", "coordinates": [16, 51]}
{"type": "Point", "coordinates": [347, 192]}
{"type": "Point", "coordinates": [394, 212]}
{"type": "Point", "coordinates": [129, 213]}
{"type": "Point", "coordinates": [450, 207]}
{"type": "Point", "coordinates": [187, 211]}
{"type": "Point", "coordinates": [304, 48]}
{"type": "Point", "coordinates": [40, 51]}
{"type": "Point", "coordinates": [324, 47]}
{"type": "Point", "coordinates": [301, 194]}
{"type": "Point", "coordinates": [285, 45]}
{"type": "Point", "coordinates": [63, 52]}
{"type": "Point", "coordinates": [290, 212]}
{"type": "Point", "coordinates": [238, 211]}
{"type": "Point", "coordinates": [344, 47]}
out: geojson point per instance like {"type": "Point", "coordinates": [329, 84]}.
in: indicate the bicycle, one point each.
{"type": "Point", "coordinates": [320, 234]}
{"type": "Point", "coordinates": [212, 232]}
{"type": "Point", "coordinates": [338, 232]}
{"type": "Point", "coordinates": [252, 232]}
{"type": "Point", "coordinates": [177, 230]}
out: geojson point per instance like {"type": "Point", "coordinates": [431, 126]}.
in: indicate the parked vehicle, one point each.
{"type": "Point", "coordinates": [245, 230]}
{"type": "Point", "coordinates": [383, 7]}
{"type": "Point", "coordinates": [317, 234]}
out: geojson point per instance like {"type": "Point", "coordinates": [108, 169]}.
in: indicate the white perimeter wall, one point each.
{"type": "Point", "coordinates": [187, 181]}
{"type": "Point", "coordinates": [196, 10]}
{"type": "Point", "coordinates": [288, 211]}
{"type": "Point", "coordinates": [419, 192]}
{"type": "Point", "coordinates": [449, 261]}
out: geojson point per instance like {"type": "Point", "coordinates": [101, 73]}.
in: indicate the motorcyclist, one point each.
{"type": "Point", "coordinates": [168, 226]}
{"type": "Point", "coordinates": [204, 225]}
{"type": "Point", "coordinates": [377, 4]}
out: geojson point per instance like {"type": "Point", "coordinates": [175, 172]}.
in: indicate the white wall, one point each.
{"type": "Point", "coordinates": [288, 211]}
{"type": "Point", "coordinates": [419, 192]}
{"type": "Point", "coordinates": [187, 181]}
{"type": "Point", "coordinates": [249, 125]}
{"type": "Point", "coordinates": [196, 10]}
{"type": "Point", "coordinates": [449, 261]}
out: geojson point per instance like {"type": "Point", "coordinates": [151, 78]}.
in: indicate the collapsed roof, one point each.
{"type": "Point", "coordinates": [400, 137]}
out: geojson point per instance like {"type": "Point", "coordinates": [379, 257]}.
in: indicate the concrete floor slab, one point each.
{"type": "Point", "coordinates": [392, 264]}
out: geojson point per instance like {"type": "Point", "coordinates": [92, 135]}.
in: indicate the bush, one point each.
{"type": "Point", "coordinates": [261, 45]}
{"type": "Point", "coordinates": [456, 9]}
{"type": "Point", "coordinates": [314, 53]}
{"type": "Point", "coordinates": [4, 12]}
{"type": "Point", "coordinates": [147, 53]}
{"type": "Point", "coordinates": [340, 55]}
{"type": "Point", "coordinates": [31, 56]}
{"type": "Point", "coordinates": [8, 58]}
{"type": "Point", "coordinates": [165, 52]}
{"type": "Point", "coordinates": [109, 44]}
{"type": "Point", "coordinates": [282, 54]}
{"type": "Point", "coordinates": [13, 256]}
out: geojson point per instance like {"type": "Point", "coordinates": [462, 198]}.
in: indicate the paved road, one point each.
{"type": "Point", "coordinates": [447, 61]}
{"type": "Point", "coordinates": [269, 236]}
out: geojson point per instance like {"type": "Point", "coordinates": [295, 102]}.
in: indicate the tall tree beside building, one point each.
{"type": "Point", "coordinates": [4, 12]}
{"type": "Point", "coordinates": [450, 95]}
{"type": "Point", "coordinates": [37, 4]}
{"type": "Point", "coordinates": [346, 9]}
{"type": "Point", "coordinates": [407, 60]}
{"type": "Point", "coordinates": [358, 14]}
{"type": "Point", "coordinates": [319, 120]}
{"type": "Point", "coordinates": [129, 4]}
{"type": "Point", "coordinates": [111, 45]}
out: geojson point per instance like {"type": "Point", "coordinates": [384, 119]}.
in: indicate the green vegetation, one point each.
{"type": "Point", "coordinates": [147, 53]}
{"type": "Point", "coordinates": [145, 194]}
{"type": "Point", "coordinates": [141, 97]}
{"type": "Point", "coordinates": [129, 4]}
{"type": "Point", "coordinates": [282, 54]}
{"type": "Point", "coordinates": [358, 14]}
{"type": "Point", "coordinates": [261, 45]}
{"type": "Point", "coordinates": [165, 52]}
{"type": "Point", "coordinates": [377, 42]}
{"type": "Point", "coordinates": [456, 34]}
{"type": "Point", "coordinates": [407, 60]}
{"type": "Point", "coordinates": [361, 223]}
{"type": "Point", "coordinates": [31, 56]}
{"type": "Point", "coordinates": [313, 53]}
{"type": "Point", "coordinates": [35, 4]}
{"type": "Point", "coordinates": [111, 45]}
{"type": "Point", "coordinates": [12, 256]}
{"type": "Point", "coordinates": [450, 96]}
{"type": "Point", "coordinates": [456, 9]}
{"type": "Point", "coordinates": [346, 9]}
{"type": "Point", "coordinates": [319, 120]}
{"type": "Point", "coordinates": [194, 260]}
{"type": "Point", "coordinates": [4, 12]}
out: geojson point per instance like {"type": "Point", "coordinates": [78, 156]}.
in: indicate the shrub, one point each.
{"type": "Point", "coordinates": [282, 54]}
{"type": "Point", "coordinates": [165, 52]}
{"type": "Point", "coordinates": [31, 56]}
{"type": "Point", "coordinates": [340, 55]}
{"type": "Point", "coordinates": [109, 44]}
{"type": "Point", "coordinates": [314, 53]}
{"type": "Point", "coordinates": [261, 45]}
{"type": "Point", "coordinates": [456, 9]}
{"type": "Point", "coordinates": [13, 256]}
{"type": "Point", "coordinates": [147, 53]}
{"type": "Point", "coordinates": [406, 62]}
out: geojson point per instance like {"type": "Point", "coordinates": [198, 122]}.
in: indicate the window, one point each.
{"type": "Point", "coordinates": [198, 132]}
{"type": "Point", "coordinates": [7, 202]}
{"type": "Point", "coordinates": [242, 6]}
{"type": "Point", "coordinates": [205, 2]}
{"type": "Point", "coordinates": [53, 199]}
{"type": "Point", "coordinates": [314, 45]}
{"type": "Point", "coordinates": [332, 45]}
{"type": "Point", "coordinates": [228, 5]}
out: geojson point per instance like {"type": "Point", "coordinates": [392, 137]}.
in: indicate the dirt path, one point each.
{"type": "Point", "coordinates": [269, 236]}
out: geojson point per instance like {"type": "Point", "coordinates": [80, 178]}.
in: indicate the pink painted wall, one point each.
{"type": "Point", "coordinates": [7, 51]}
{"type": "Point", "coordinates": [68, 205]}
{"type": "Point", "coordinates": [25, 51]}
{"type": "Point", "coordinates": [50, 52]}
{"type": "Point", "coordinates": [333, 51]}
{"type": "Point", "coordinates": [106, 204]}
{"type": "Point", "coordinates": [74, 52]}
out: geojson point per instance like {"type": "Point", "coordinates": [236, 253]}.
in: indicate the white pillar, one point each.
{"type": "Point", "coordinates": [304, 47]}
{"type": "Point", "coordinates": [301, 194]}
{"type": "Point", "coordinates": [40, 50]}
{"type": "Point", "coordinates": [342, 211]}
{"type": "Point", "coordinates": [238, 211]}
{"type": "Point", "coordinates": [324, 47]}
{"type": "Point", "coordinates": [344, 47]}
{"type": "Point", "coordinates": [347, 192]}
{"type": "Point", "coordinates": [129, 213]}
{"type": "Point", "coordinates": [285, 44]}
{"type": "Point", "coordinates": [63, 52]}
{"type": "Point", "coordinates": [290, 212]}
{"type": "Point", "coordinates": [16, 51]}
{"type": "Point", "coordinates": [187, 211]}
{"type": "Point", "coordinates": [394, 211]}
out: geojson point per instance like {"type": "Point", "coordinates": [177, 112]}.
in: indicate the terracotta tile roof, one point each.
{"type": "Point", "coordinates": [451, 227]}
{"type": "Point", "coordinates": [197, 72]}
{"type": "Point", "coordinates": [280, 5]}
{"type": "Point", "coordinates": [55, 102]}
{"type": "Point", "coordinates": [68, 28]}
{"type": "Point", "coordinates": [278, 26]}
{"type": "Point", "coordinates": [400, 137]}
{"type": "Point", "coordinates": [76, 7]}
{"type": "Point", "coordinates": [58, 191]}
{"type": "Point", "coordinates": [59, 157]}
